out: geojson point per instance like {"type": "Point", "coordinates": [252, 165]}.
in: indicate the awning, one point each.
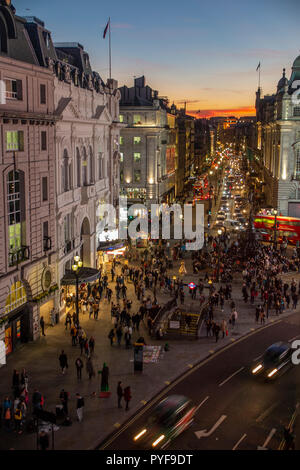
{"type": "Point", "coordinates": [84, 275]}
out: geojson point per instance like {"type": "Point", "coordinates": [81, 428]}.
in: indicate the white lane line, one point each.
{"type": "Point", "coordinates": [295, 337]}
{"type": "Point", "coordinates": [238, 442]}
{"type": "Point", "coordinates": [232, 375]}
{"type": "Point", "coordinates": [202, 403]}
{"type": "Point", "coordinates": [256, 358]}
{"type": "Point", "coordinates": [271, 434]}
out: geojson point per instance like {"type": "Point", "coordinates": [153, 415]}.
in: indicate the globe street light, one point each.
{"type": "Point", "coordinates": [219, 247]}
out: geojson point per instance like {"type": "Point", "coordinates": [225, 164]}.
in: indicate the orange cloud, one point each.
{"type": "Point", "coordinates": [208, 113]}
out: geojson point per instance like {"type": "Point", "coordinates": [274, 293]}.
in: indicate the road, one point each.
{"type": "Point", "coordinates": [235, 410]}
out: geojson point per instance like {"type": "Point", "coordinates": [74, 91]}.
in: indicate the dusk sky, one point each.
{"type": "Point", "coordinates": [204, 53]}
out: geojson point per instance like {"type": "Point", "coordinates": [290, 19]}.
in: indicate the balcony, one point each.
{"type": "Point", "coordinates": [19, 255]}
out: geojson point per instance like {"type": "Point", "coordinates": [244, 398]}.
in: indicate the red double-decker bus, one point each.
{"type": "Point", "coordinates": [288, 228]}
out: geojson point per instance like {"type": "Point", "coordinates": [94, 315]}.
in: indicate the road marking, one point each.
{"type": "Point", "coordinates": [232, 375]}
{"type": "Point", "coordinates": [117, 425]}
{"type": "Point", "coordinates": [202, 403]}
{"type": "Point", "coordinates": [144, 402]}
{"type": "Point", "coordinates": [167, 382]}
{"type": "Point", "coordinates": [271, 434]}
{"type": "Point", "coordinates": [190, 365]}
{"type": "Point", "coordinates": [281, 445]}
{"type": "Point", "coordinates": [205, 433]}
{"type": "Point", "coordinates": [238, 442]}
{"type": "Point", "coordinates": [106, 443]}
{"type": "Point", "coordinates": [256, 358]}
{"type": "Point", "coordinates": [295, 337]}
{"type": "Point", "coordinates": [265, 413]}
{"type": "Point", "coordinates": [211, 351]}
{"type": "Point", "coordinates": [252, 329]}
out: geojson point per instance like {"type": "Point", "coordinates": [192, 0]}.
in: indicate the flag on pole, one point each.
{"type": "Point", "coordinates": [105, 30]}
{"type": "Point", "coordinates": [258, 67]}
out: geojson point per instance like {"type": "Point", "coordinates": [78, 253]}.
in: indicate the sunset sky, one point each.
{"type": "Point", "coordinates": [204, 53]}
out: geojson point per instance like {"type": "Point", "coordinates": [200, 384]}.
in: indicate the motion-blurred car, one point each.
{"type": "Point", "coordinates": [167, 420]}
{"type": "Point", "coordinates": [275, 361]}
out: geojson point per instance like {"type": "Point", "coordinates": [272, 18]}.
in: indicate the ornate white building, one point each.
{"type": "Point", "coordinates": [278, 139]}
{"type": "Point", "coordinates": [87, 157]}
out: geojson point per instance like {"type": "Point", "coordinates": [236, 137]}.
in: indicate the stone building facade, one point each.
{"type": "Point", "coordinates": [278, 142]}
{"type": "Point", "coordinates": [28, 269]}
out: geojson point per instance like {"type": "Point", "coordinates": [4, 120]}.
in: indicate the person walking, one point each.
{"type": "Point", "coordinates": [68, 320]}
{"type": "Point", "coordinates": [127, 397]}
{"type": "Point", "coordinates": [64, 397]}
{"type": "Point", "coordinates": [111, 336]}
{"type": "Point", "coordinates": [92, 345]}
{"type": "Point", "coordinates": [120, 394]}
{"type": "Point", "coordinates": [42, 323]}
{"type": "Point", "coordinates": [63, 361]}
{"type": "Point", "coordinates": [90, 368]}
{"type": "Point", "coordinates": [79, 407]}
{"type": "Point", "coordinates": [79, 366]}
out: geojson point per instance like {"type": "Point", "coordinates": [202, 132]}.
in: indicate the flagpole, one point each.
{"type": "Point", "coordinates": [259, 76]}
{"type": "Point", "coordinates": [109, 48]}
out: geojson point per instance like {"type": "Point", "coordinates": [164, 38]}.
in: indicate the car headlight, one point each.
{"type": "Point", "coordinates": [256, 369]}
{"type": "Point", "coordinates": [272, 372]}
{"type": "Point", "coordinates": [158, 440]}
{"type": "Point", "coordinates": [140, 434]}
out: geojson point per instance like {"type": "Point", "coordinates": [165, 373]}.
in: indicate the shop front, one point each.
{"type": "Point", "coordinates": [17, 329]}
{"type": "Point", "coordinates": [106, 252]}
{"type": "Point", "coordinates": [16, 324]}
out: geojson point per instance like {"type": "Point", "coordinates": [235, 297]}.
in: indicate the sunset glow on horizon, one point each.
{"type": "Point", "coordinates": [202, 55]}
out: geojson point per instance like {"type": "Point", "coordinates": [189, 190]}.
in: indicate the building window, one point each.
{"type": "Point", "coordinates": [136, 119]}
{"type": "Point", "coordinates": [100, 165]}
{"type": "Point", "coordinates": [137, 176]}
{"type": "Point", "coordinates": [297, 111]}
{"type": "Point", "coordinates": [68, 233]}
{"type": "Point", "coordinates": [297, 163]}
{"type": "Point", "coordinates": [43, 140]}
{"type": "Point", "coordinates": [137, 157]}
{"type": "Point", "coordinates": [136, 140]}
{"type": "Point", "coordinates": [15, 188]}
{"type": "Point", "coordinates": [121, 176]}
{"type": "Point", "coordinates": [14, 141]}
{"type": "Point", "coordinates": [16, 297]}
{"type": "Point", "coordinates": [92, 169]}
{"type": "Point", "coordinates": [121, 141]}
{"type": "Point", "coordinates": [121, 117]}
{"type": "Point", "coordinates": [121, 157]}
{"type": "Point", "coordinates": [43, 94]}
{"type": "Point", "coordinates": [13, 89]}
{"type": "Point", "coordinates": [84, 168]}
{"type": "Point", "coordinates": [78, 167]}
{"type": "Point", "coordinates": [44, 188]}
{"type": "Point", "coordinates": [65, 172]}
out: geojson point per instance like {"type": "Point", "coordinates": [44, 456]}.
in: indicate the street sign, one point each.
{"type": "Point", "coordinates": [192, 285]}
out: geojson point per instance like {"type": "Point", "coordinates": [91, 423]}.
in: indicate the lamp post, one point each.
{"type": "Point", "coordinates": [219, 246]}
{"type": "Point", "coordinates": [275, 233]}
{"type": "Point", "coordinates": [76, 268]}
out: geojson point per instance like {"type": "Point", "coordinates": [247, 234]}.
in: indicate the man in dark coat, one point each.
{"type": "Point", "coordinates": [63, 361]}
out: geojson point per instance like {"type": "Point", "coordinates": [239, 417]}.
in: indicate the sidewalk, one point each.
{"type": "Point", "coordinates": [101, 416]}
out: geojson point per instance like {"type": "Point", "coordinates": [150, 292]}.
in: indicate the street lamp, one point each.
{"type": "Point", "coordinates": [219, 246]}
{"type": "Point", "coordinates": [76, 268]}
{"type": "Point", "coordinates": [275, 233]}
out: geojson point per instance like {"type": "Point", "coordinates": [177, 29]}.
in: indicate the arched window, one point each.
{"type": "Point", "coordinates": [65, 172]}
{"type": "Point", "coordinates": [78, 167]}
{"type": "Point", "coordinates": [16, 212]}
{"type": "Point", "coordinates": [84, 168]}
{"type": "Point", "coordinates": [92, 166]}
